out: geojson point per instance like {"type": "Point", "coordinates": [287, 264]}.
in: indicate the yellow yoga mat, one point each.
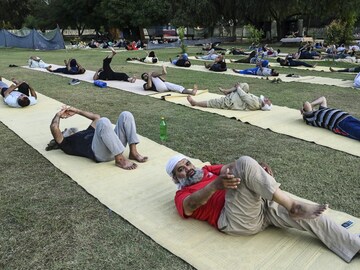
{"type": "Point", "coordinates": [281, 120]}
{"type": "Point", "coordinates": [144, 197]}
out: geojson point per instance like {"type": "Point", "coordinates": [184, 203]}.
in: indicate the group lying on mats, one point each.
{"type": "Point", "coordinates": [239, 198]}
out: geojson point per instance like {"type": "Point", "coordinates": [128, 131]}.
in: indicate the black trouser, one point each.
{"type": "Point", "coordinates": [109, 74]}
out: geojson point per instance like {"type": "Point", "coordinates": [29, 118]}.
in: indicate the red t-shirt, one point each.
{"type": "Point", "coordinates": [209, 212]}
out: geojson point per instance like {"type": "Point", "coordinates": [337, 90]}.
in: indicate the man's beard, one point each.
{"type": "Point", "coordinates": [188, 181]}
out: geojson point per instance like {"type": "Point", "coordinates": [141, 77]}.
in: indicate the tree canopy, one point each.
{"type": "Point", "coordinates": [106, 14]}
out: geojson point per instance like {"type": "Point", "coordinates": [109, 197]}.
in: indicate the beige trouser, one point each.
{"type": "Point", "coordinates": [237, 100]}
{"type": "Point", "coordinates": [249, 210]}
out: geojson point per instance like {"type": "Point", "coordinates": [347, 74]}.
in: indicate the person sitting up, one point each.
{"type": "Point", "coordinates": [107, 74]}
{"type": "Point", "coordinates": [24, 96]}
{"type": "Point", "coordinates": [72, 67]}
{"type": "Point", "coordinates": [219, 64]}
{"type": "Point", "coordinates": [155, 82]}
{"type": "Point", "coordinates": [243, 198]}
{"type": "Point", "coordinates": [36, 62]}
{"type": "Point", "coordinates": [289, 62]}
{"type": "Point", "coordinates": [211, 55]}
{"type": "Point", "coordinates": [100, 141]}
{"type": "Point", "coordinates": [258, 70]}
{"type": "Point", "coordinates": [338, 121]}
{"type": "Point", "coordinates": [181, 61]}
{"type": "Point", "coordinates": [236, 98]}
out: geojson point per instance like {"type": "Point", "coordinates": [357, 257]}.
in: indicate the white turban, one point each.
{"type": "Point", "coordinates": [170, 166]}
{"type": "Point", "coordinates": [265, 107]}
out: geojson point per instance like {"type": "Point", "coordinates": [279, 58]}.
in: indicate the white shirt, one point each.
{"type": "Point", "coordinates": [11, 99]}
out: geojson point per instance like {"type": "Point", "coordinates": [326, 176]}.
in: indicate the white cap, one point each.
{"type": "Point", "coordinates": [171, 164]}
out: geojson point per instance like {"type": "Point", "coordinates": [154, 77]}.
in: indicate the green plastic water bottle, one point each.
{"type": "Point", "coordinates": [163, 129]}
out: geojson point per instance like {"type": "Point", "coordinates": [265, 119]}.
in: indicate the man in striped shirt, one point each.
{"type": "Point", "coordinates": [335, 120]}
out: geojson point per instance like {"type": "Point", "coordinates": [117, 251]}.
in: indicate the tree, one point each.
{"type": "Point", "coordinates": [13, 12]}
{"type": "Point", "coordinates": [135, 14]}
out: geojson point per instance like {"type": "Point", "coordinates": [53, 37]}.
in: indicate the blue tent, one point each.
{"type": "Point", "coordinates": [32, 39]}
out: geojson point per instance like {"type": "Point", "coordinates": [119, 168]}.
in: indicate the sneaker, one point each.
{"type": "Point", "coordinates": [74, 82]}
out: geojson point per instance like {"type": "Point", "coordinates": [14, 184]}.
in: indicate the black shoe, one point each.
{"type": "Point", "coordinates": [74, 82]}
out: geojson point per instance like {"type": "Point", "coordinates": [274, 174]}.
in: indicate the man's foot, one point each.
{"type": "Point", "coordinates": [191, 101]}
{"type": "Point", "coordinates": [314, 65]}
{"type": "Point", "coordinates": [331, 69]}
{"type": "Point", "coordinates": [125, 164]}
{"type": "Point", "coordinates": [138, 157]}
{"type": "Point", "coordinates": [132, 79]}
{"type": "Point", "coordinates": [235, 70]}
{"type": "Point", "coordinates": [195, 89]}
{"type": "Point", "coordinates": [164, 70]}
{"type": "Point", "coordinates": [301, 210]}
{"type": "Point", "coordinates": [170, 60]}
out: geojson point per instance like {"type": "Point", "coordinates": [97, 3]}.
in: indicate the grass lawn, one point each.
{"type": "Point", "coordinates": [49, 222]}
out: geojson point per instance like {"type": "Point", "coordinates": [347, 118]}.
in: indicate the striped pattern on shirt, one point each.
{"type": "Point", "coordinates": [324, 117]}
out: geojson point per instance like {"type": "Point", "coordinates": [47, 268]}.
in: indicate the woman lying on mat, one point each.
{"type": "Point", "coordinates": [155, 82]}
{"type": "Point", "coordinates": [243, 198]}
{"type": "Point", "coordinates": [338, 121]}
{"type": "Point", "coordinates": [107, 74]}
{"type": "Point", "coordinates": [71, 67]}
{"type": "Point", "coordinates": [100, 141]}
{"type": "Point", "coordinates": [236, 98]}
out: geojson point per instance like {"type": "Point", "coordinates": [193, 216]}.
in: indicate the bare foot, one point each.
{"type": "Point", "coordinates": [195, 89]}
{"type": "Point", "coordinates": [191, 101]}
{"type": "Point", "coordinates": [123, 163]}
{"type": "Point", "coordinates": [138, 157]}
{"type": "Point", "coordinates": [132, 79]}
{"type": "Point", "coordinates": [301, 210]}
{"type": "Point", "coordinates": [164, 70]}
{"type": "Point", "coordinates": [112, 51]}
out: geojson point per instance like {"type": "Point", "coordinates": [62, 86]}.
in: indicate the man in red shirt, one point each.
{"type": "Point", "coordinates": [243, 198]}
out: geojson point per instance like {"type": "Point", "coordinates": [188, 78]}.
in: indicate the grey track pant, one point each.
{"type": "Point", "coordinates": [249, 210]}
{"type": "Point", "coordinates": [109, 142]}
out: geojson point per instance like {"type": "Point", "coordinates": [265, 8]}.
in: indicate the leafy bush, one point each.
{"type": "Point", "coordinates": [181, 32]}
{"type": "Point", "coordinates": [255, 35]}
{"type": "Point", "coordinates": [340, 31]}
